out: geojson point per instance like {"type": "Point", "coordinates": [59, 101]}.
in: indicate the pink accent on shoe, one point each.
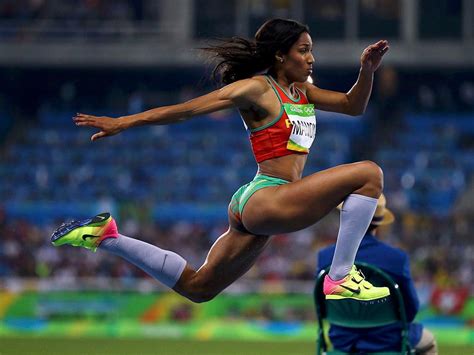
{"type": "Point", "coordinates": [110, 231]}
{"type": "Point", "coordinates": [330, 285]}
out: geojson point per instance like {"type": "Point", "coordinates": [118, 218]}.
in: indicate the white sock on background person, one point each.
{"type": "Point", "coordinates": [163, 265]}
{"type": "Point", "coordinates": [356, 214]}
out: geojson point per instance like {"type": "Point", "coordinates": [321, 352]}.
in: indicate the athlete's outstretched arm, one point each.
{"type": "Point", "coordinates": [355, 100]}
{"type": "Point", "coordinates": [239, 94]}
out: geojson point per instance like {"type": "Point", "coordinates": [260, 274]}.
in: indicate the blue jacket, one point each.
{"type": "Point", "coordinates": [394, 262]}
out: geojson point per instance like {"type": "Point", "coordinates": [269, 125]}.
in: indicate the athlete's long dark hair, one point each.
{"type": "Point", "coordinates": [239, 58]}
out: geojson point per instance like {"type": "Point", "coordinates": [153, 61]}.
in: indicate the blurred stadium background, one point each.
{"type": "Point", "coordinates": [171, 185]}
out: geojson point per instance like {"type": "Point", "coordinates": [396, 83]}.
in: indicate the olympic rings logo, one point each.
{"type": "Point", "coordinates": [295, 109]}
{"type": "Point", "coordinates": [307, 109]}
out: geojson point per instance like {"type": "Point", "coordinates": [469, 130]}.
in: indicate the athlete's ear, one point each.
{"type": "Point", "coordinates": [279, 57]}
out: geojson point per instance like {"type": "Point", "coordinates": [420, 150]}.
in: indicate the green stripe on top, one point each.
{"type": "Point", "coordinates": [286, 93]}
{"type": "Point", "coordinates": [273, 87]}
{"type": "Point", "coordinates": [306, 110]}
{"type": "Point", "coordinates": [271, 123]}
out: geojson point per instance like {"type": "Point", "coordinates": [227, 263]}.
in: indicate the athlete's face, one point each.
{"type": "Point", "coordinates": [298, 62]}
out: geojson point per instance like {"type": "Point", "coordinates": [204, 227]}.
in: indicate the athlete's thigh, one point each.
{"type": "Point", "coordinates": [297, 205]}
{"type": "Point", "coordinates": [233, 254]}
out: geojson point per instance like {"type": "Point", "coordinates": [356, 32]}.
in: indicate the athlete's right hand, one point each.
{"type": "Point", "coordinates": [108, 126]}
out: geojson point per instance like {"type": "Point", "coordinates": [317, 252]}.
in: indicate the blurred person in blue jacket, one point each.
{"type": "Point", "coordinates": [396, 263]}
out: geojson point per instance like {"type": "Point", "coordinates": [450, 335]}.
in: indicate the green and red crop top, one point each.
{"type": "Point", "coordinates": [292, 132]}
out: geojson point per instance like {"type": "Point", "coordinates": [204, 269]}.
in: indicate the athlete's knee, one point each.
{"type": "Point", "coordinates": [202, 297]}
{"type": "Point", "coordinates": [373, 174]}
{"type": "Point", "coordinates": [198, 290]}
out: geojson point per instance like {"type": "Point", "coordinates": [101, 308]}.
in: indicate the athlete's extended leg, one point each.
{"type": "Point", "coordinates": [297, 205]}
{"type": "Point", "coordinates": [163, 265]}
{"type": "Point", "coordinates": [229, 258]}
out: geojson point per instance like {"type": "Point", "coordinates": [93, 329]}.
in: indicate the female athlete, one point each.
{"type": "Point", "coordinates": [266, 80]}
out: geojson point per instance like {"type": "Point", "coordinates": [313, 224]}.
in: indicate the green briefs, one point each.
{"type": "Point", "coordinates": [242, 195]}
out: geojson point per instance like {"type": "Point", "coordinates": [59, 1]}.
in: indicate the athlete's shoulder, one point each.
{"type": "Point", "coordinates": [251, 88]}
{"type": "Point", "coordinates": [262, 79]}
{"type": "Point", "coordinates": [257, 83]}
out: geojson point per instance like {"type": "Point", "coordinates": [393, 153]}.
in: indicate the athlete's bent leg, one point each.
{"type": "Point", "coordinates": [297, 205]}
{"type": "Point", "coordinates": [300, 204]}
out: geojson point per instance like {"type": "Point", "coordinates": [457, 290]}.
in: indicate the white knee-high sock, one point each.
{"type": "Point", "coordinates": [163, 265]}
{"type": "Point", "coordinates": [356, 214]}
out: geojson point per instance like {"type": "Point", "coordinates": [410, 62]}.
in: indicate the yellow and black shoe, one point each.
{"type": "Point", "coordinates": [86, 233]}
{"type": "Point", "coordinates": [353, 286]}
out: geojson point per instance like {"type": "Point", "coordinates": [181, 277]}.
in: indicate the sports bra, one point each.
{"type": "Point", "coordinates": [292, 132]}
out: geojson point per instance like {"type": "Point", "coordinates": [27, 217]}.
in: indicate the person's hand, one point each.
{"type": "Point", "coordinates": [372, 56]}
{"type": "Point", "coordinates": [108, 126]}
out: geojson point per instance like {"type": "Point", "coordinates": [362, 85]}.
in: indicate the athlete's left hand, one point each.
{"type": "Point", "coordinates": [108, 126]}
{"type": "Point", "coordinates": [372, 56]}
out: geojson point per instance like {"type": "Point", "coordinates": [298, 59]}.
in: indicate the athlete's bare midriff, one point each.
{"type": "Point", "coordinates": [288, 167]}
